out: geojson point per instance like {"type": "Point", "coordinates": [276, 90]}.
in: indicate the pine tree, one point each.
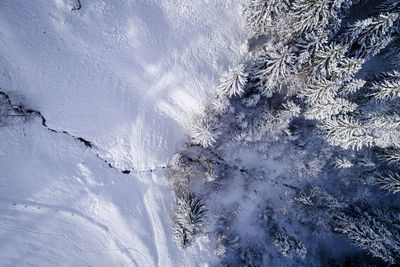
{"type": "Point", "coordinates": [189, 219]}
{"type": "Point", "coordinates": [309, 15]}
{"type": "Point", "coordinates": [343, 163]}
{"type": "Point", "coordinates": [250, 257]}
{"type": "Point", "coordinates": [386, 129]}
{"type": "Point", "coordinates": [369, 232]}
{"type": "Point", "coordinates": [289, 246]}
{"type": "Point", "coordinates": [312, 42]}
{"type": "Point", "coordinates": [317, 206]}
{"type": "Point", "coordinates": [347, 68]}
{"type": "Point", "coordinates": [273, 68]}
{"type": "Point", "coordinates": [232, 83]}
{"type": "Point", "coordinates": [205, 130]}
{"type": "Point", "coordinates": [177, 162]}
{"type": "Point", "coordinates": [221, 104]}
{"type": "Point", "coordinates": [262, 16]}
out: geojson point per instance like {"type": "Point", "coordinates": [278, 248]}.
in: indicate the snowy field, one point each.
{"type": "Point", "coordinates": [125, 75]}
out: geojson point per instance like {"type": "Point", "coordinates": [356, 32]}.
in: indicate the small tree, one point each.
{"type": "Point", "coordinates": [289, 246]}
{"type": "Point", "coordinates": [232, 83]}
{"type": "Point", "coordinates": [189, 219]}
{"type": "Point", "coordinates": [205, 130]}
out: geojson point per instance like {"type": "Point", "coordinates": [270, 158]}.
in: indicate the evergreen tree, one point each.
{"type": "Point", "coordinates": [205, 131]}
{"type": "Point", "coordinates": [273, 68]}
{"type": "Point", "coordinates": [317, 206]}
{"type": "Point", "coordinates": [351, 86]}
{"type": "Point", "coordinates": [220, 104]}
{"type": "Point", "coordinates": [263, 16]}
{"type": "Point", "coordinates": [370, 232]}
{"type": "Point", "coordinates": [390, 6]}
{"type": "Point", "coordinates": [347, 68]}
{"type": "Point", "coordinates": [348, 132]}
{"type": "Point", "coordinates": [232, 83]}
{"type": "Point", "coordinates": [343, 163]}
{"type": "Point", "coordinates": [310, 15]}
{"type": "Point", "coordinates": [386, 130]}
{"type": "Point", "coordinates": [312, 42]}
{"type": "Point", "coordinates": [189, 218]}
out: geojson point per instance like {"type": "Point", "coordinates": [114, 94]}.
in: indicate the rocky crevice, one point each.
{"type": "Point", "coordinates": [9, 109]}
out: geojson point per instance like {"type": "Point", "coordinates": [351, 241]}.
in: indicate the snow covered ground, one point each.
{"type": "Point", "coordinates": [125, 75]}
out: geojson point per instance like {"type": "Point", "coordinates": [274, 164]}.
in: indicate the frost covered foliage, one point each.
{"type": "Point", "coordinates": [265, 16]}
{"type": "Point", "coordinates": [188, 219]}
{"type": "Point", "coordinates": [289, 246]}
{"type": "Point", "coordinates": [272, 68]}
{"type": "Point", "coordinates": [388, 180]}
{"type": "Point", "coordinates": [378, 233]}
{"type": "Point", "coordinates": [368, 37]}
{"type": "Point", "coordinates": [303, 135]}
{"type": "Point", "coordinates": [386, 88]}
{"type": "Point", "coordinates": [204, 131]}
{"type": "Point", "coordinates": [310, 15]}
{"type": "Point", "coordinates": [233, 82]}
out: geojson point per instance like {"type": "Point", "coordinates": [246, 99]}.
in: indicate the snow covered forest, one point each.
{"type": "Point", "coordinates": [295, 160]}
{"type": "Point", "coordinates": [210, 133]}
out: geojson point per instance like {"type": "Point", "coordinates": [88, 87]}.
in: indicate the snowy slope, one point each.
{"type": "Point", "coordinates": [125, 75]}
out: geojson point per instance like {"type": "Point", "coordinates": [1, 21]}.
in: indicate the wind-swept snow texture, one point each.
{"type": "Point", "coordinates": [125, 75]}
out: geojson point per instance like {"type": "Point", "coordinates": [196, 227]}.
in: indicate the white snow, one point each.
{"type": "Point", "coordinates": [125, 75]}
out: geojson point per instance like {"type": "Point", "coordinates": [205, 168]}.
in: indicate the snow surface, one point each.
{"type": "Point", "coordinates": [126, 75]}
